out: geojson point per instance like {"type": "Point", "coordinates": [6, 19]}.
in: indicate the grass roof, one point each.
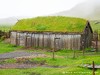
{"type": "Point", "coordinates": [51, 23]}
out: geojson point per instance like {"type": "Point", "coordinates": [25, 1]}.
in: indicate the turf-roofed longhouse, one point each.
{"type": "Point", "coordinates": [52, 32]}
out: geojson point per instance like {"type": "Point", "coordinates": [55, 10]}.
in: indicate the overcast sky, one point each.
{"type": "Point", "coordinates": [31, 8]}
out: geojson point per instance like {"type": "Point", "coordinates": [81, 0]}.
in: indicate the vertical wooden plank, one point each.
{"type": "Point", "coordinates": [16, 39]}
{"type": "Point", "coordinates": [69, 42]}
{"type": "Point", "coordinates": [31, 39]}
{"type": "Point", "coordinates": [66, 41]}
{"type": "Point", "coordinates": [43, 41]}
{"type": "Point", "coordinates": [26, 39]}
{"type": "Point", "coordinates": [20, 39]}
{"type": "Point", "coordinates": [35, 40]}
{"type": "Point", "coordinates": [40, 40]}
{"type": "Point", "coordinates": [73, 42]}
{"type": "Point", "coordinates": [49, 41]}
{"type": "Point", "coordinates": [52, 41]}
{"type": "Point", "coordinates": [63, 41]}
{"type": "Point", "coordinates": [23, 39]}
{"type": "Point", "coordinates": [13, 38]}
{"type": "Point", "coordinates": [78, 40]}
{"type": "Point", "coordinates": [59, 42]}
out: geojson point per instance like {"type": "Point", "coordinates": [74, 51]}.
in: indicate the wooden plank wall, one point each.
{"type": "Point", "coordinates": [46, 40]}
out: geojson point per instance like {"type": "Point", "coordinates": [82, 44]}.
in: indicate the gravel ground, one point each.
{"type": "Point", "coordinates": [17, 54]}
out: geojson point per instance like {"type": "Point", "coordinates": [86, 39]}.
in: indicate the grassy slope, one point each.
{"type": "Point", "coordinates": [51, 23]}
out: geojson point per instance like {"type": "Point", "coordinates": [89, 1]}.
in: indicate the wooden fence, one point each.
{"type": "Point", "coordinates": [46, 40]}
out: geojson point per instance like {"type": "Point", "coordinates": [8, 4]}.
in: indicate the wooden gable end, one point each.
{"type": "Point", "coordinates": [88, 27]}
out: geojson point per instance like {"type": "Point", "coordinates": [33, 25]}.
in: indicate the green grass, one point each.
{"type": "Point", "coordinates": [6, 47]}
{"type": "Point", "coordinates": [70, 65]}
{"type": "Point", "coordinates": [63, 58]}
{"type": "Point", "coordinates": [51, 23]}
{"type": "Point", "coordinates": [45, 71]}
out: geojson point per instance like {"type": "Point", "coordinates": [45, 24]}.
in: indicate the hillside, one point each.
{"type": "Point", "coordinates": [88, 10]}
{"type": "Point", "coordinates": [51, 23]}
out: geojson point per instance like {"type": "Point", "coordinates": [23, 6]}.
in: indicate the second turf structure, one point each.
{"type": "Point", "coordinates": [52, 32]}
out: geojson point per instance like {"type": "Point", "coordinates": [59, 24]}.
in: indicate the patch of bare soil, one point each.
{"type": "Point", "coordinates": [24, 66]}
{"type": "Point", "coordinates": [23, 60]}
{"type": "Point", "coordinates": [16, 65]}
{"type": "Point", "coordinates": [22, 63]}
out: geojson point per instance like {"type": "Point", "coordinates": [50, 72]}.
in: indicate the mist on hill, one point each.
{"type": "Point", "coordinates": [8, 21]}
{"type": "Point", "coordinates": [89, 9]}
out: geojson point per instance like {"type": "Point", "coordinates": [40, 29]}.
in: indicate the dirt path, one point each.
{"type": "Point", "coordinates": [22, 60]}
{"type": "Point", "coordinates": [18, 54]}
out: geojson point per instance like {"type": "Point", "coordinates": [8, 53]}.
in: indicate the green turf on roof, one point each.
{"type": "Point", "coordinates": [51, 23]}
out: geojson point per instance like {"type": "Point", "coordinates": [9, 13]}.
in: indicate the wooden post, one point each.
{"type": "Point", "coordinates": [83, 47]}
{"type": "Point", "coordinates": [73, 53]}
{"type": "Point", "coordinates": [83, 43]}
{"type": "Point", "coordinates": [93, 68]}
{"type": "Point", "coordinates": [53, 54]}
{"type": "Point", "coordinates": [73, 45]}
{"type": "Point", "coordinates": [54, 50]}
